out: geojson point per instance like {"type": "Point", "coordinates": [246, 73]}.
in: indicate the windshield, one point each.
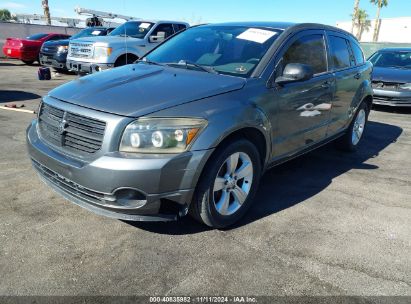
{"type": "Point", "coordinates": [392, 59]}
{"type": "Point", "coordinates": [36, 36]}
{"type": "Point", "coordinates": [90, 32]}
{"type": "Point", "coordinates": [231, 50]}
{"type": "Point", "coordinates": [133, 29]}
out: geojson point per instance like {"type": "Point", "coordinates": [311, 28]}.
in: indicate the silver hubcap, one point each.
{"type": "Point", "coordinates": [233, 183]}
{"type": "Point", "coordinates": [358, 128]}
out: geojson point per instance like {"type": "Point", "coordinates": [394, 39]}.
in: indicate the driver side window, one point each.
{"type": "Point", "coordinates": [308, 50]}
{"type": "Point", "coordinates": [165, 28]}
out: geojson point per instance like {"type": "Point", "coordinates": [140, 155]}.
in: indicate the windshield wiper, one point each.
{"type": "Point", "coordinates": [145, 60]}
{"type": "Point", "coordinates": [187, 63]}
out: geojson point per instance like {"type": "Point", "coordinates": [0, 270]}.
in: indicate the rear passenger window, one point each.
{"type": "Point", "coordinates": [358, 54]}
{"type": "Point", "coordinates": [340, 54]}
{"type": "Point", "coordinates": [309, 50]}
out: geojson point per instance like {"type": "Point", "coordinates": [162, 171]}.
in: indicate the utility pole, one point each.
{"type": "Point", "coordinates": [45, 4]}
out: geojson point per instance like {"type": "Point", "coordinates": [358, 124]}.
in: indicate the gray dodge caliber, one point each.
{"type": "Point", "coordinates": [192, 126]}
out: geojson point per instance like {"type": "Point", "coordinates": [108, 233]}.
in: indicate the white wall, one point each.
{"type": "Point", "coordinates": [397, 30]}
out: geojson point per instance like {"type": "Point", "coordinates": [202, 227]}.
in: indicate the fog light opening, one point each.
{"type": "Point", "coordinates": [130, 198]}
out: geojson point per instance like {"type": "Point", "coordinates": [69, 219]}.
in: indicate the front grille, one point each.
{"type": "Point", "coordinates": [394, 100]}
{"type": "Point", "coordinates": [48, 50]}
{"type": "Point", "coordinates": [68, 186]}
{"type": "Point", "coordinates": [72, 132]}
{"type": "Point", "coordinates": [80, 50]}
{"type": "Point", "coordinates": [386, 85]}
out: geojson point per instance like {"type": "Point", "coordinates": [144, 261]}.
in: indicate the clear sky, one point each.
{"type": "Point", "coordinates": [199, 11]}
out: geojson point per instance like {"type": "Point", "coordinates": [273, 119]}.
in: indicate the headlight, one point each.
{"type": "Point", "coordinates": [102, 52]}
{"type": "Point", "coordinates": [62, 49]}
{"type": "Point", "coordinates": [406, 86]}
{"type": "Point", "coordinates": [161, 135]}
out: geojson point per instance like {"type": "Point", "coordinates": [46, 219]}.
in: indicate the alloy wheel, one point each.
{"type": "Point", "coordinates": [358, 127]}
{"type": "Point", "coordinates": [233, 183]}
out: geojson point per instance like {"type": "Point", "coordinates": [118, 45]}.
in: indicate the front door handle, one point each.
{"type": "Point", "coordinates": [326, 85]}
{"type": "Point", "coordinates": [357, 76]}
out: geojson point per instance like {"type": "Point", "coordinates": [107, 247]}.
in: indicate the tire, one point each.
{"type": "Point", "coordinates": [30, 62]}
{"type": "Point", "coordinates": [353, 137]}
{"type": "Point", "coordinates": [222, 208]}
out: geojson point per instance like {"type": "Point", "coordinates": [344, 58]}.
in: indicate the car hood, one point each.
{"type": "Point", "coordinates": [140, 89]}
{"type": "Point", "coordinates": [391, 75]}
{"type": "Point", "coordinates": [108, 39]}
{"type": "Point", "coordinates": [64, 42]}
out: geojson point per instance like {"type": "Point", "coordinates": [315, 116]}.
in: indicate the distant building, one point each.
{"type": "Point", "coordinates": [394, 30]}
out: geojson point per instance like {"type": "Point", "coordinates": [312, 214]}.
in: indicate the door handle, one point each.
{"type": "Point", "coordinates": [357, 76]}
{"type": "Point", "coordinates": [326, 85]}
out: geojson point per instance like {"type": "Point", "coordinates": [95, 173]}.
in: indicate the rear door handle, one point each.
{"type": "Point", "coordinates": [357, 76]}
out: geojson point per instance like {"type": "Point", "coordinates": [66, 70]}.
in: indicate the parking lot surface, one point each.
{"type": "Point", "coordinates": [328, 223]}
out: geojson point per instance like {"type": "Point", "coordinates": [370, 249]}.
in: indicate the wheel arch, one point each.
{"type": "Point", "coordinates": [124, 55]}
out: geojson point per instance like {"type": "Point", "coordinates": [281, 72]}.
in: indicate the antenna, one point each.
{"type": "Point", "coordinates": [125, 34]}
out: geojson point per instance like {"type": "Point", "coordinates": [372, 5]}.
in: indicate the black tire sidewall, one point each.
{"type": "Point", "coordinates": [208, 213]}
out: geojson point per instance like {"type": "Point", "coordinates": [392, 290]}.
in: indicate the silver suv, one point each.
{"type": "Point", "coordinates": [124, 45]}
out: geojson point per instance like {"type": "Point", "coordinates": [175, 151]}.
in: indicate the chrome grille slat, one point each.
{"type": "Point", "coordinates": [74, 133]}
{"type": "Point", "coordinates": [81, 50]}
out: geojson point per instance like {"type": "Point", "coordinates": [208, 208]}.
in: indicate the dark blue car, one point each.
{"type": "Point", "coordinates": [54, 53]}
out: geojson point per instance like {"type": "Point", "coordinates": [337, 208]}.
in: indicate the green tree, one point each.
{"type": "Point", "coordinates": [5, 15]}
{"type": "Point", "coordinates": [380, 4]}
{"type": "Point", "coordinates": [362, 22]}
{"type": "Point", "coordinates": [355, 12]}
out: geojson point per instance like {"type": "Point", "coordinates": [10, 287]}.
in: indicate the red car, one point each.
{"type": "Point", "coordinates": [27, 50]}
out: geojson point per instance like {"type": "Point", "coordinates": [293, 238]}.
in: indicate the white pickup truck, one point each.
{"type": "Point", "coordinates": [124, 45]}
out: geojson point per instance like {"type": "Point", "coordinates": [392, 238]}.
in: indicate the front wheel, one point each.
{"type": "Point", "coordinates": [28, 62]}
{"type": "Point", "coordinates": [352, 138]}
{"type": "Point", "coordinates": [228, 185]}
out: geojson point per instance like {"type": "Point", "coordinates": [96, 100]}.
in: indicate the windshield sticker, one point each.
{"type": "Point", "coordinates": [144, 25]}
{"type": "Point", "coordinates": [95, 32]}
{"type": "Point", "coordinates": [256, 35]}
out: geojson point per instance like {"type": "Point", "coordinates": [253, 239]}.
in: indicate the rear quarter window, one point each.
{"type": "Point", "coordinates": [340, 54]}
{"type": "Point", "coordinates": [358, 53]}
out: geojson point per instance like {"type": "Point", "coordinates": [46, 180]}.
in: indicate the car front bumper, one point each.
{"type": "Point", "coordinates": [165, 183]}
{"type": "Point", "coordinates": [87, 67]}
{"type": "Point", "coordinates": [392, 98]}
{"type": "Point", "coordinates": [54, 61]}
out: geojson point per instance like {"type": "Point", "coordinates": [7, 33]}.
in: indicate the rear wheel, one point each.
{"type": "Point", "coordinates": [352, 138]}
{"type": "Point", "coordinates": [228, 185]}
{"type": "Point", "coordinates": [28, 62]}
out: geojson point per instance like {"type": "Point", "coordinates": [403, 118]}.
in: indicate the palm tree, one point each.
{"type": "Point", "coordinates": [380, 4]}
{"type": "Point", "coordinates": [355, 12]}
{"type": "Point", "coordinates": [45, 4]}
{"type": "Point", "coordinates": [361, 22]}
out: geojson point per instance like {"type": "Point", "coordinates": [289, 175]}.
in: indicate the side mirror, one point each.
{"type": "Point", "coordinates": [160, 37]}
{"type": "Point", "coordinates": [294, 72]}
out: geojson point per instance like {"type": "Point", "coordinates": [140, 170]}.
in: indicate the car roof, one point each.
{"type": "Point", "coordinates": [395, 49]}
{"type": "Point", "coordinates": [158, 21]}
{"type": "Point", "coordinates": [284, 26]}
{"type": "Point", "coordinates": [270, 24]}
